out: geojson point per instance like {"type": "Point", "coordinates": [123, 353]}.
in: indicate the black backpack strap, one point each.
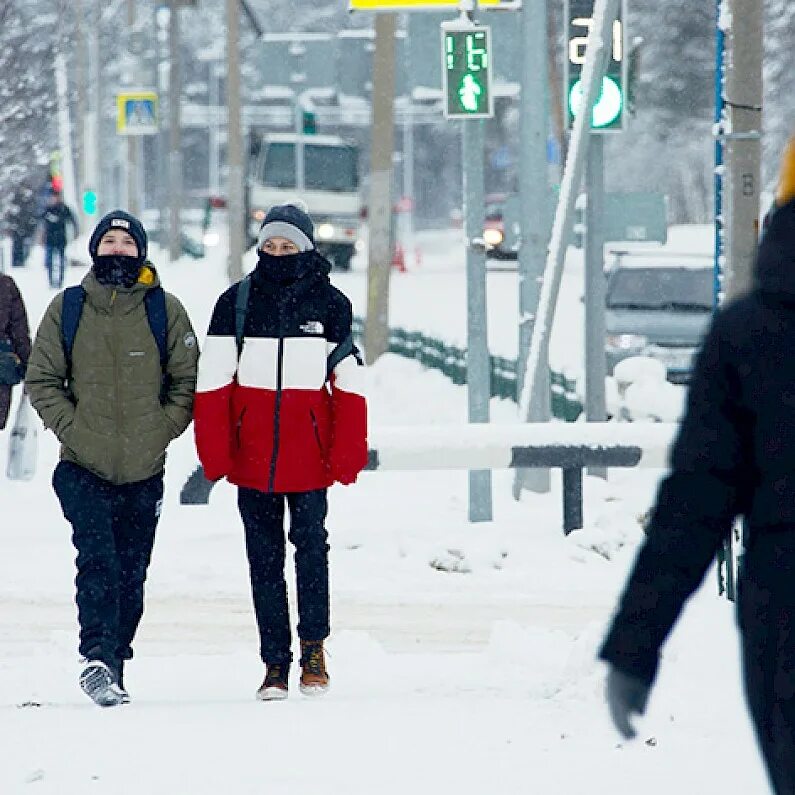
{"type": "Point", "coordinates": [241, 308]}
{"type": "Point", "coordinates": [72, 309]}
{"type": "Point", "coordinates": [345, 348]}
{"type": "Point", "coordinates": [155, 304]}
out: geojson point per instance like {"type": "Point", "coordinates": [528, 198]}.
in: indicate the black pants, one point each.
{"type": "Point", "coordinates": [55, 262]}
{"type": "Point", "coordinates": [263, 519]}
{"type": "Point", "coordinates": [113, 531]}
{"type": "Point", "coordinates": [766, 615]}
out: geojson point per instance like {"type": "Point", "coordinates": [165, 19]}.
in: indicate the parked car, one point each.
{"type": "Point", "coordinates": [501, 226]}
{"type": "Point", "coordinates": [659, 308]}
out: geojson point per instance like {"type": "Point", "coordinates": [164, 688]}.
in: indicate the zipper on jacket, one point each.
{"type": "Point", "coordinates": [316, 430]}
{"type": "Point", "coordinates": [114, 464]}
{"type": "Point", "coordinates": [278, 405]}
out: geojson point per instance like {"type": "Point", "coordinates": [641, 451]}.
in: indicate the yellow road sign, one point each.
{"type": "Point", "coordinates": [413, 5]}
{"type": "Point", "coordinates": [136, 113]}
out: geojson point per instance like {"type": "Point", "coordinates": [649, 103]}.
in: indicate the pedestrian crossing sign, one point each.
{"type": "Point", "coordinates": [136, 113]}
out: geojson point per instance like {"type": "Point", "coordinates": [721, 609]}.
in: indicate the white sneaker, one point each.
{"type": "Point", "coordinates": [98, 684]}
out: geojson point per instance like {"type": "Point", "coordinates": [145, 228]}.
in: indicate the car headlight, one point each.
{"type": "Point", "coordinates": [493, 237]}
{"type": "Point", "coordinates": [258, 215]}
{"type": "Point", "coordinates": [325, 231]}
{"type": "Point", "coordinates": [626, 342]}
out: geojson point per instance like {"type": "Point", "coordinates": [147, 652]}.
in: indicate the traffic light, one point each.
{"type": "Point", "coordinates": [610, 107]}
{"type": "Point", "coordinates": [309, 122]}
{"type": "Point", "coordinates": [466, 66]}
{"type": "Point", "coordinates": [89, 202]}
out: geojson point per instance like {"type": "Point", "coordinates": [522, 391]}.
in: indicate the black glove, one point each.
{"type": "Point", "coordinates": [626, 695]}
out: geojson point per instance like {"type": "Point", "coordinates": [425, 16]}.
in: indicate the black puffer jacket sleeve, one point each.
{"type": "Point", "coordinates": [711, 477]}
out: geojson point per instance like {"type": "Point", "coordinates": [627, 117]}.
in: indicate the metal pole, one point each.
{"type": "Point", "coordinates": [300, 169]}
{"type": "Point", "coordinates": [720, 46]}
{"type": "Point", "coordinates": [595, 289]}
{"type": "Point", "coordinates": [133, 205]}
{"type": "Point", "coordinates": [234, 144]}
{"type": "Point", "coordinates": [533, 204]}
{"type": "Point", "coordinates": [605, 13]}
{"type": "Point", "coordinates": [744, 106]}
{"type": "Point", "coordinates": [376, 328]}
{"type": "Point", "coordinates": [572, 500]}
{"type": "Point", "coordinates": [174, 135]}
{"type": "Point", "coordinates": [214, 99]}
{"type": "Point", "coordinates": [478, 370]}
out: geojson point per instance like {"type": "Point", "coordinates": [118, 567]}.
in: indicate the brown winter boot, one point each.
{"type": "Point", "coordinates": [314, 677]}
{"type": "Point", "coordinates": [274, 686]}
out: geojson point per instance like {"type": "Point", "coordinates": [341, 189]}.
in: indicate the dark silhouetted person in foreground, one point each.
{"type": "Point", "coordinates": [734, 456]}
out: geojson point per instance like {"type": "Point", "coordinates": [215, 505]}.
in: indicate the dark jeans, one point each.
{"type": "Point", "coordinates": [766, 614]}
{"type": "Point", "coordinates": [54, 261]}
{"type": "Point", "coordinates": [263, 519]}
{"type": "Point", "coordinates": [113, 533]}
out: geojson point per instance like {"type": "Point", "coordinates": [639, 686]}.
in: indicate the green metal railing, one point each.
{"type": "Point", "coordinates": [451, 362]}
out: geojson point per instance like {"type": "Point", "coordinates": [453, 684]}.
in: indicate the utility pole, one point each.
{"type": "Point", "coordinates": [92, 123]}
{"type": "Point", "coordinates": [534, 211]}
{"type": "Point", "coordinates": [234, 144]}
{"type": "Point", "coordinates": [376, 329]}
{"type": "Point", "coordinates": [174, 134]}
{"type": "Point", "coordinates": [133, 205]}
{"type": "Point", "coordinates": [604, 14]}
{"type": "Point", "coordinates": [743, 109]}
{"type": "Point", "coordinates": [81, 105]}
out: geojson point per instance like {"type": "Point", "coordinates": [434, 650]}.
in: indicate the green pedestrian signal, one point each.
{"type": "Point", "coordinates": [610, 106]}
{"type": "Point", "coordinates": [89, 202]}
{"type": "Point", "coordinates": [466, 67]}
{"type": "Point", "coordinates": [309, 122]}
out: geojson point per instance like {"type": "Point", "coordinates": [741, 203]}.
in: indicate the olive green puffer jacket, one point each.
{"type": "Point", "coordinates": [110, 420]}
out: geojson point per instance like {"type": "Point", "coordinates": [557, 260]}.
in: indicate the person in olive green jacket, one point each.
{"type": "Point", "coordinates": [115, 403]}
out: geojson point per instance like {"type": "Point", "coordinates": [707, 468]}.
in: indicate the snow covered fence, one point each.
{"type": "Point", "coordinates": [570, 447]}
{"type": "Point", "coordinates": [450, 360]}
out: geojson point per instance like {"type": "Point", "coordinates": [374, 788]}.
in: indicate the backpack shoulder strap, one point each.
{"type": "Point", "coordinates": [155, 303]}
{"type": "Point", "coordinates": [73, 300]}
{"type": "Point", "coordinates": [241, 308]}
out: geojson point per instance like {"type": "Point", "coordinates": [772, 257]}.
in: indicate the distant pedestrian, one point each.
{"type": "Point", "coordinates": [280, 413]}
{"type": "Point", "coordinates": [54, 220]}
{"type": "Point", "coordinates": [14, 342]}
{"type": "Point", "coordinates": [734, 456]}
{"type": "Point", "coordinates": [113, 373]}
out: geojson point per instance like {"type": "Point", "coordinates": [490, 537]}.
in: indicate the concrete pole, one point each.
{"type": "Point", "coordinates": [744, 109]}
{"type": "Point", "coordinates": [595, 289]}
{"type": "Point", "coordinates": [376, 328]}
{"type": "Point", "coordinates": [533, 210]}
{"type": "Point", "coordinates": [174, 135]}
{"type": "Point", "coordinates": [478, 369]}
{"type": "Point", "coordinates": [235, 203]}
{"type": "Point", "coordinates": [133, 199]}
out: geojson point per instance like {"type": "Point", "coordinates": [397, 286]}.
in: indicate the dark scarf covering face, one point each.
{"type": "Point", "coordinates": [287, 269]}
{"type": "Point", "coordinates": [117, 270]}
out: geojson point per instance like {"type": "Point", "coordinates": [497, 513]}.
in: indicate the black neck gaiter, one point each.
{"type": "Point", "coordinates": [117, 270]}
{"type": "Point", "coordinates": [287, 269]}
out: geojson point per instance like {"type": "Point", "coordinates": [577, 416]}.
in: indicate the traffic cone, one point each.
{"type": "Point", "coordinates": [399, 259]}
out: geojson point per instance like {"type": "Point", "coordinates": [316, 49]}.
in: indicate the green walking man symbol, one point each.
{"type": "Point", "coordinates": [469, 93]}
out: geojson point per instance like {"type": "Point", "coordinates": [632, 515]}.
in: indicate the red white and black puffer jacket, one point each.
{"type": "Point", "coordinates": [289, 414]}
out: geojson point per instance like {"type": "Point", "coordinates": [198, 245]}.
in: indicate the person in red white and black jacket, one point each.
{"type": "Point", "coordinates": [280, 412]}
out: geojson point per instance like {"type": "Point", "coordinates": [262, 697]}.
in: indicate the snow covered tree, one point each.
{"type": "Point", "coordinates": [27, 99]}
